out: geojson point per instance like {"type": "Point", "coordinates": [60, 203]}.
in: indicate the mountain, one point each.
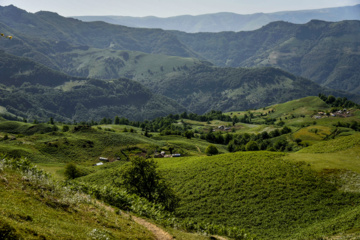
{"type": "Point", "coordinates": [48, 27]}
{"type": "Point", "coordinates": [204, 87]}
{"type": "Point", "coordinates": [324, 52]}
{"type": "Point", "coordinates": [218, 22]}
{"type": "Point", "coordinates": [33, 91]}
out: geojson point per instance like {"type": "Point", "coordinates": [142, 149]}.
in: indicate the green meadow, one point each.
{"type": "Point", "coordinates": [310, 190]}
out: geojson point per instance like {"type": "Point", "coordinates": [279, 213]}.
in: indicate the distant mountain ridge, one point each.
{"type": "Point", "coordinates": [174, 64]}
{"type": "Point", "coordinates": [324, 52]}
{"type": "Point", "coordinates": [218, 22]}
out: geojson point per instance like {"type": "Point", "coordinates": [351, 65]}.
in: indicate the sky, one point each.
{"type": "Point", "coordinates": [168, 8]}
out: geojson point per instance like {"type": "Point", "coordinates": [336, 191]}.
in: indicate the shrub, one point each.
{"type": "Point", "coordinates": [211, 150]}
{"type": "Point", "coordinates": [7, 231]}
{"type": "Point", "coordinates": [65, 128]}
{"type": "Point", "coordinates": [252, 146]}
{"type": "Point", "coordinates": [71, 171]}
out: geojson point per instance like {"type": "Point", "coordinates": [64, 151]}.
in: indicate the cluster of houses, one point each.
{"type": "Point", "coordinates": [223, 128]}
{"type": "Point", "coordinates": [102, 160]}
{"type": "Point", "coordinates": [339, 113]}
{"type": "Point", "coordinates": [162, 154]}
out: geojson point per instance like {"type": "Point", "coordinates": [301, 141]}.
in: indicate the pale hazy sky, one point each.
{"type": "Point", "coordinates": [167, 8]}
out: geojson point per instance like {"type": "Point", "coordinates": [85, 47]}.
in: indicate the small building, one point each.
{"type": "Point", "coordinates": [99, 164]}
{"type": "Point", "coordinates": [176, 155]}
{"type": "Point", "coordinates": [103, 159]}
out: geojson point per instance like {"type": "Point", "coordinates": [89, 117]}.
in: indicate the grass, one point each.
{"type": "Point", "coordinates": [339, 153]}
{"type": "Point", "coordinates": [32, 208]}
{"type": "Point", "coordinates": [261, 192]}
{"type": "Point", "coordinates": [273, 195]}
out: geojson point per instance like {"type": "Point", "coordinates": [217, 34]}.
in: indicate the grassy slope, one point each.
{"type": "Point", "coordinates": [236, 189]}
{"type": "Point", "coordinates": [63, 215]}
{"type": "Point", "coordinates": [112, 64]}
{"type": "Point", "coordinates": [340, 153]}
{"type": "Point", "coordinates": [259, 191]}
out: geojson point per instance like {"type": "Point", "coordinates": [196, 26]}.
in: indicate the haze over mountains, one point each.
{"type": "Point", "coordinates": [199, 71]}
{"type": "Point", "coordinates": [218, 22]}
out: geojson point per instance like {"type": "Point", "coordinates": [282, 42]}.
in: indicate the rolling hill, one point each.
{"type": "Point", "coordinates": [297, 192]}
{"type": "Point", "coordinates": [33, 91]}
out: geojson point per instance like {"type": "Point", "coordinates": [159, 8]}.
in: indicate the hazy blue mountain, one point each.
{"type": "Point", "coordinates": [218, 22]}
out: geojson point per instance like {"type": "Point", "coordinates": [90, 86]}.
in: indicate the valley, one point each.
{"type": "Point", "coordinates": [300, 175]}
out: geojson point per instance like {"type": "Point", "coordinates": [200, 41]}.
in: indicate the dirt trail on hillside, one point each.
{"type": "Point", "coordinates": [158, 232]}
{"type": "Point", "coordinates": [198, 149]}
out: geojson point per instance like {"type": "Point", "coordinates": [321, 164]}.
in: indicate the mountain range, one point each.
{"type": "Point", "coordinates": [63, 57]}
{"type": "Point", "coordinates": [225, 21]}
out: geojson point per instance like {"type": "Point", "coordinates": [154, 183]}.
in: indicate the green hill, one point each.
{"type": "Point", "coordinates": [33, 91]}
{"type": "Point", "coordinates": [203, 87]}
{"type": "Point", "coordinates": [273, 198]}
{"type": "Point", "coordinates": [315, 50]}
{"type": "Point", "coordinates": [34, 206]}
{"type": "Point", "coordinates": [306, 186]}
{"type": "Point", "coordinates": [53, 28]}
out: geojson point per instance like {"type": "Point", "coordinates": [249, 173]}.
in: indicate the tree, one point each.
{"type": "Point", "coordinates": [71, 171]}
{"type": "Point", "coordinates": [117, 120]}
{"type": "Point", "coordinates": [211, 150]}
{"type": "Point", "coordinates": [65, 128]}
{"type": "Point", "coordinates": [188, 134]}
{"type": "Point", "coordinates": [142, 178]}
{"type": "Point", "coordinates": [252, 146]}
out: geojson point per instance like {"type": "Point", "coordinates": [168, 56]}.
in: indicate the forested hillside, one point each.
{"type": "Point", "coordinates": [33, 91]}
{"type": "Point", "coordinates": [324, 52]}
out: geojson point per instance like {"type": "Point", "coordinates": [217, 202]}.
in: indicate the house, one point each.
{"type": "Point", "coordinates": [103, 159]}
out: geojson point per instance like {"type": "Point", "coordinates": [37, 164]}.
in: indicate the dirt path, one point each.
{"type": "Point", "coordinates": [158, 232]}
{"type": "Point", "coordinates": [198, 149]}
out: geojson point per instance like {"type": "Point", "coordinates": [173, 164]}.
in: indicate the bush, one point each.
{"type": "Point", "coordinates": [252, 146]}
{"type": "Point", "coordinates": [211, 150]}
{"type": "Point", "coordinates": [7, 231]}
{"type": "Point", "coordinates": [72, 171]}
{"type": "Point", "coordinates": [65, 128]}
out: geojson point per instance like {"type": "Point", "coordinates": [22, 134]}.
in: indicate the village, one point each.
{"type": "Point", "coordinates": [339, 113]}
